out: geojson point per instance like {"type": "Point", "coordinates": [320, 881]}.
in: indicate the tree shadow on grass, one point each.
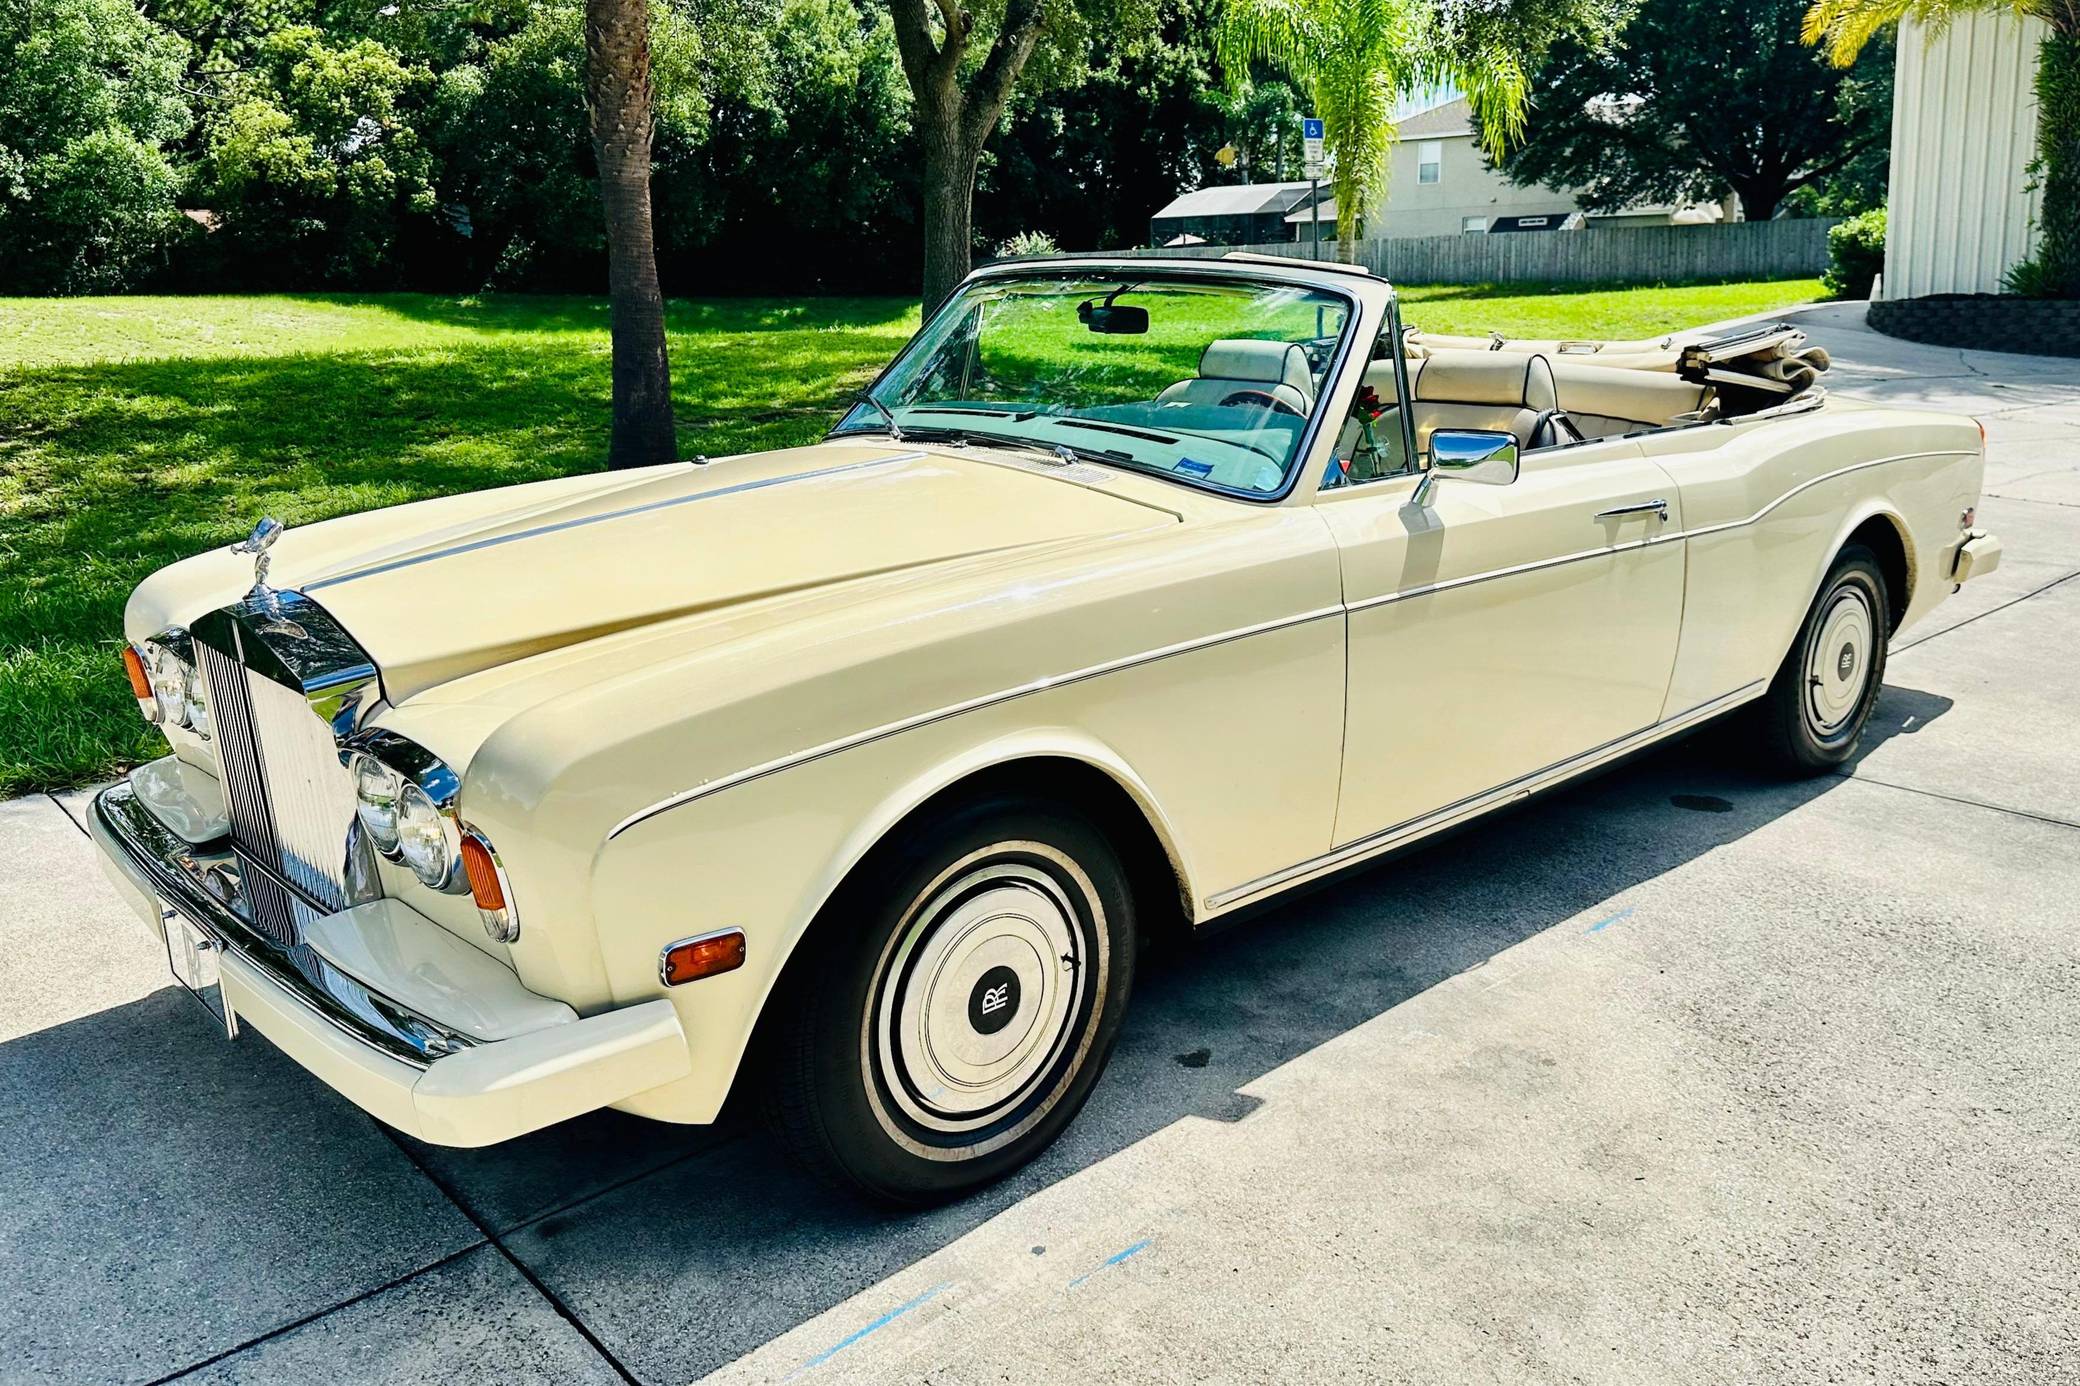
{"type": "Point", "coordinates": [507, 312]}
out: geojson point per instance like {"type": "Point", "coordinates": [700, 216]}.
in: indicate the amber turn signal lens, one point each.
{"type": "Point", "coordinates": [691, 959]}
{"type": "Point", "coordinates": [482, 873]}
{"type": "Point", "coordinates": [140, 681]}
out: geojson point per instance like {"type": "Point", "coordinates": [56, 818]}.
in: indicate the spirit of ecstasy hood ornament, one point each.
{"type": "Point", "coordinates": [262, 596]}
{"type": "Point", "coordinates": [257, 544]}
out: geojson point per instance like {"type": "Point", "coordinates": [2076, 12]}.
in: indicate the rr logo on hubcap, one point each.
{"type": "Point", "coordinates": [1845, 663]}
{"type": "Point", "coordinates": [994, 1000]}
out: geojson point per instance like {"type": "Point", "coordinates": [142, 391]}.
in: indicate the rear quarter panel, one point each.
{"type": "Point", "coordinates": [1768, 505]}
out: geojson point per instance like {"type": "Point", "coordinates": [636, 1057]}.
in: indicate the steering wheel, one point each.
{"type": "Point", "coordinates": [1264, 398]}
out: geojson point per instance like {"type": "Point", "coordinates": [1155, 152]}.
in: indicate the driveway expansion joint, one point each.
{"type": "Point", "coordinates": [2013, 601]}
{"type": "Point", "coordinates": [521, 1268]}
{"type": "Point", "coordinates": [2056, 822]}
{"type": "Point", "coordinates": [290, 1327]}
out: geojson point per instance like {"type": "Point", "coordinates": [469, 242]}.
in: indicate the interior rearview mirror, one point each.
{"type": "Point", "coordinates": [1469, 454]}
{"type": "Point", "coordinates": [1117, 319]}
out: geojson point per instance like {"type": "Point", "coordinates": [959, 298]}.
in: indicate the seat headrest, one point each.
{"type": "Point", "coordinates": [1487, 377]}
{"type": "Point", "coordinates": [1242, 358]}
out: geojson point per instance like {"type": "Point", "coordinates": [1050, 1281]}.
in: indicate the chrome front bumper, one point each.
{"type": "Point", "coordinates": [478, 1059]}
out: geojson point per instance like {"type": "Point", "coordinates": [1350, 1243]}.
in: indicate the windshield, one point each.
{"type": "Point", "coordinates": [1209, 382]}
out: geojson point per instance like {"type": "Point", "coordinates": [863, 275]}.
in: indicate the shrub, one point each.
{"type": "Point", "coordinates": [2054, 270]}
{"type": "Point", "coordinates": [89, 101]}
{"type": "Point", "coordinates": [1029, 243]}
{"type": "Point", "coordinates": [1855, 255]}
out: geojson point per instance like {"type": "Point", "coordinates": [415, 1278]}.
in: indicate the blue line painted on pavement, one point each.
{"type": "Point", "coordinates": [849, 1339]}
{"type": "Point", "coordinates": [1604, 923]}
{"type": "Point", "coordinates": [1114, 1259]}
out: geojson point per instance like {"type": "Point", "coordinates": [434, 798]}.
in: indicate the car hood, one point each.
{"type": "Point", "coordinates": [440, 589]}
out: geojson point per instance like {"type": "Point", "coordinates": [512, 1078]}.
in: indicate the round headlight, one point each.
{"type": "Point", "coordinates": [422, 837]}
{"type": "Point", "coordinates": [376, 789]}
{"type": "Point", "coordinates": [171, 682]}
{"type": "Point", "coordinates": [196, 711]}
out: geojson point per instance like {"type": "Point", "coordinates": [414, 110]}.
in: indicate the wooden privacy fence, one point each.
{"type": "Point", "coordinates": [1632, 255]}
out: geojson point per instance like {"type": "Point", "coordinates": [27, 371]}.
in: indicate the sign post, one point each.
{"type": "Point", "coordinates": [1311, 134]}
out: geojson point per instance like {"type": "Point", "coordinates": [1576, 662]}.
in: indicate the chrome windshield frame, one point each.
{"type": "Point", "coordinates": [1159, 271]}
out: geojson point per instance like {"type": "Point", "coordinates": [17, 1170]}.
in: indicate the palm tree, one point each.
{"type": "Point", "coordinates": [1356, 59]}
{"type": "Point", "coordinates": [1353, 59]}
{"type": "Point", "coordinates": [618, 98]}
{"type": "Point", "coordinates": [1843, 27]}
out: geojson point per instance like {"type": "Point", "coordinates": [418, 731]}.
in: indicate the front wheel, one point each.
{"type": "Point", "coordinates": [958, 1000]}
{"type": "Point", "coordinates": [1814, 713]}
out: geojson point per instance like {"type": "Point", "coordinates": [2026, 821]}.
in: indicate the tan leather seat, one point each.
{"type": "Point", "coordinates": [1496, 391]}
{"type": "Point", "coordinates": [1233, 366]}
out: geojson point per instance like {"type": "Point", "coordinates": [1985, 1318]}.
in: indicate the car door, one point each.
{"type": "Point", "coordinates": [1499, 630]}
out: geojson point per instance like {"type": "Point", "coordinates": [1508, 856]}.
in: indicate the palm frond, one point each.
{"type": "Point", "coordinates": [1844, 27]}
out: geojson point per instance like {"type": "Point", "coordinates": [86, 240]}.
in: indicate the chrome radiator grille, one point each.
{"type": "Point", "coordinates": [289, 800]}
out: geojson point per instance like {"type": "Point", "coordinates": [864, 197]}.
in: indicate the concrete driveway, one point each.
{"type": "Point", "coordinates": [1681, 1075]}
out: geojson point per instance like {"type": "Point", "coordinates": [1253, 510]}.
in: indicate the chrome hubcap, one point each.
{"type": "Point", "coordinates": [1838, 661]}
{"type": "Point", "coordinates": [979, 995]}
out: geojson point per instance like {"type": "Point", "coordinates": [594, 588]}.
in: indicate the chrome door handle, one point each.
{"type": "Point", "coordinates": [1653, 507]}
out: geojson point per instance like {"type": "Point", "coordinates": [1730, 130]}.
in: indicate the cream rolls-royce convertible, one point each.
{"type": "Point", "coordinates": [1134, 593]}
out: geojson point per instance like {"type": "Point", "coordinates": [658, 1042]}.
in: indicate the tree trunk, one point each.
{"type": "Point", "coordinates": [617, 95]}
{"type": "Point", "coordinates": [2057, 163]}
{"type": "Point", "coordinates": [1760, 197]}
{"type": "Point", "coordinates": [949, 203]}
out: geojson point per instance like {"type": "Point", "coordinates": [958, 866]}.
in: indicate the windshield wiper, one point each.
{"type": "Point", "coordinates": [1069, 421]}
{"type": "Point", "coordinates": [1015, 415]}
{"type": "Point", "coordinates": [866, 397]}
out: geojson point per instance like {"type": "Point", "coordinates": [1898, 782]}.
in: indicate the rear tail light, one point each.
{"type": "Point", "coordinates": [702, 956]}
{"type": "Point", "coordinates": [487, 885]}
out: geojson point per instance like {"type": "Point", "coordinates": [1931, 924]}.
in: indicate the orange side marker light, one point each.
{"type": "Point", "coordinates": [704, 956]}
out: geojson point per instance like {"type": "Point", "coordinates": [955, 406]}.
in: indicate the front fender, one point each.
{"type": "Point", "coordinates": [768, 856]}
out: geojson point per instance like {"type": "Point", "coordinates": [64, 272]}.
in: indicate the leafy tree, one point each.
{"type": "Point", "coordinates": [1845, 27]}
{"type": "Point", "coordinates": [89, 101]}
{"type": "Point", "coordinates": [518, 203]}
{"type": "Point", "coordinates": [1262, 121]}
{"type": "Point", "coordinates": [1356, 58]}
{"type": "Point", "coordinates": [1699, 98]}
{"type": "Point", "coordinates": [518, 207]}
{"type": "Point", "coordinates": [1088, 163]}
{"type": "Point", "coordinates": [313, 157]}
{"type": "Point", "coordinates": [619, 99]}
{"type": "Point", "coordinates": [806, 182]}
{"type": "Point", "coordinates": [963, 67]}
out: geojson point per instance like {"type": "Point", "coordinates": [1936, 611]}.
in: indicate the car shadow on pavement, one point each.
{"type": "Point", "coordinates": [681, 1249]}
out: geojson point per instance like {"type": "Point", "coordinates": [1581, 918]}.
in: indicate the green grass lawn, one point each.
{"type": "Point", "coordinates": [135, 431]}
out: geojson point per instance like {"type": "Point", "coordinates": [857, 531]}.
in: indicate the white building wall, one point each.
{"type": "Point", "coordinates": [1963, 131]}
{"type": "Point", "coordinates": [1465, 187]}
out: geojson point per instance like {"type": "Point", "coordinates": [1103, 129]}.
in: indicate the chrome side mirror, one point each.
{"type": "Point", "coordinates": [1469, 454]}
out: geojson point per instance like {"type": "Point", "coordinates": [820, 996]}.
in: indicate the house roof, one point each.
{"type": "Point", "coordinates": [1454, 117]}
{"type": "Point", "coordinates": [1235, 200]}
{"type": "Point", "coordinates": [1305, 215]}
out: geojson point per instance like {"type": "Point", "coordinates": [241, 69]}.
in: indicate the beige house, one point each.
{"type": "Point", "coordinates": [1963, 133]}
{"type": "Point", "coordinates": [1439, 185]}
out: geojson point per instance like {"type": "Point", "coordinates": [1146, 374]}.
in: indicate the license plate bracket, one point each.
{"type": "Point", "coordinates": [192, 954]}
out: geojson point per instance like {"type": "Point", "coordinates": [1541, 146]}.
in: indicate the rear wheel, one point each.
{"type": "Point", "coordinates": [1814, 713]}
{"type": "Point", "coordinates": [961, 997]}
